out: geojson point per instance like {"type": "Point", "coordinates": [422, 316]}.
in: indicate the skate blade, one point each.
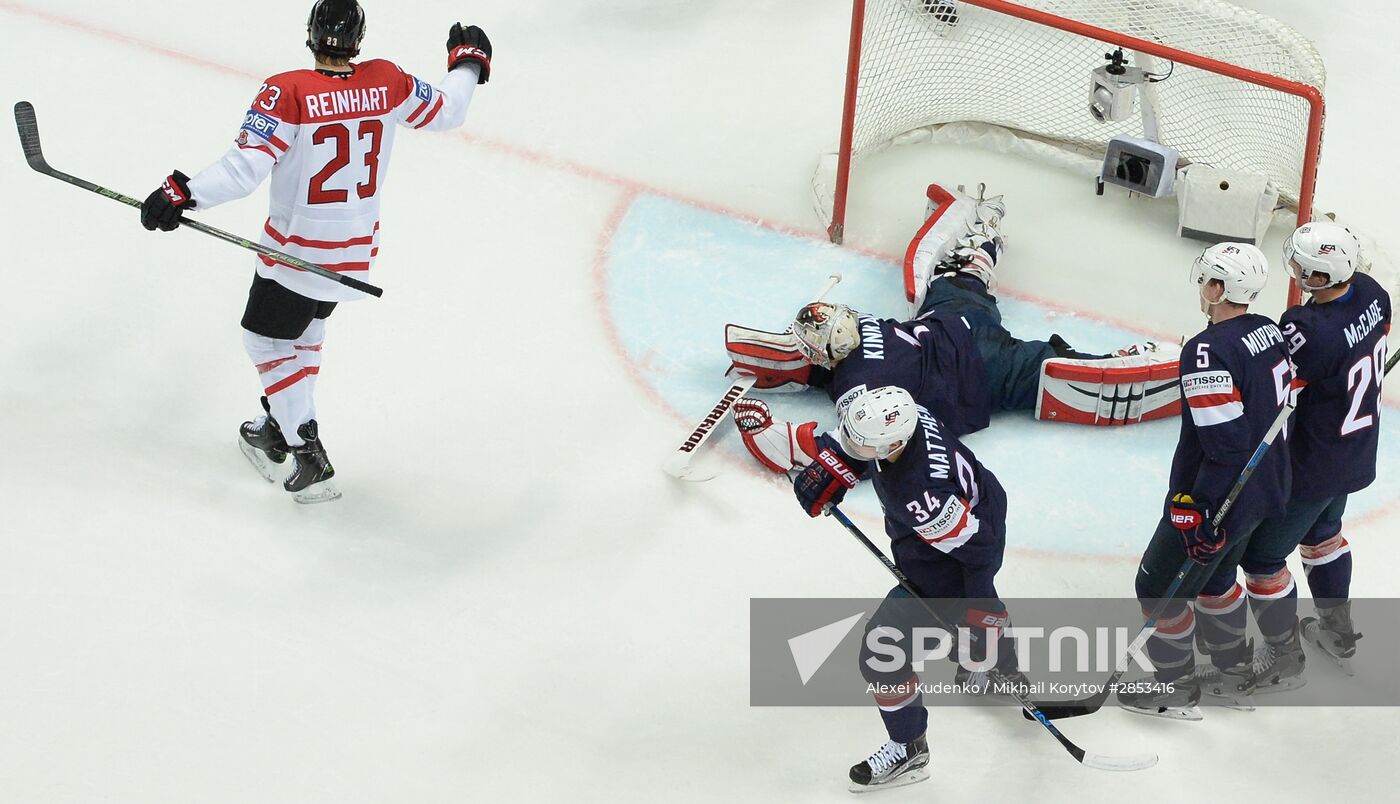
{"type": "Point", "coordinates": [903, 780]}
{"type": "Point", "coordinates": [325, 491]}
{"type": "Point", "coordinates": [1238, 703]}
{"type": "Point", "coordinates": [1192, 712]}
{"type": "Point", "coordinates": [260, 461]}
{"type": "Point", "coordinates": [1284, 685]}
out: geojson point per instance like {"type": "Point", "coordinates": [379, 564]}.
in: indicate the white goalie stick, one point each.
{"type": "Point", "coordinates": [679, 465]}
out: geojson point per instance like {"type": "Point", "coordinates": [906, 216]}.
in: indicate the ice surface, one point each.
{"type": "Point", "coordinates": [512, 601]}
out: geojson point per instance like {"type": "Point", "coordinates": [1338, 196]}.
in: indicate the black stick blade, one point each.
{"type": "Point", "coordinates": [28, 124]}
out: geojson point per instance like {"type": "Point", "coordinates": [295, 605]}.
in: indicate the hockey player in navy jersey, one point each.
{"type": "Point", "coordinates": [1338, 343]}
{"type": "Point", "coordinates": [945, 515]}
{"type": "Point", "coordinates": [956, 357]}
{"type": "Point", "coordinates": [1235, 381]}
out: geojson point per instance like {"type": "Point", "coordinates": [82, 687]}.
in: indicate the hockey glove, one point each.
{"type": "Point", "coordinates": [1200, 537]}
{"type": "Point", "coordinates": [162, 208]}
{"type": "Point", "coordinates": [824, 482]}
{"type": "Point", "coordinates": [779, 446]}
{"type": "Point", "coordinates": [467, 46]}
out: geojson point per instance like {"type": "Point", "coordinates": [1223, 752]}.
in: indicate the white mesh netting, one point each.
{"type": "Point", "coordinates": [918, 70]}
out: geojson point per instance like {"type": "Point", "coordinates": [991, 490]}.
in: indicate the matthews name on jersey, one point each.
{"type": "Point", "coordinates": [1339, 354]}
{"type": "Point", "coordinates": [937, 494]}
{"type": "Point", "coordinates": [933, 357]}
{"type": "Point", "coordinates": [1235, 378]}
{"type": "Point", "coordinates": [326, 141]}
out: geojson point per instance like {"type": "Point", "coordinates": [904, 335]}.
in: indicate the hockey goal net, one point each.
{"type": "Point", "coordinates": [1241, 91]}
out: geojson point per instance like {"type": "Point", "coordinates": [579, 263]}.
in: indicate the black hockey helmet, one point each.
{"type": "Point", "coordinates": [335, 28]}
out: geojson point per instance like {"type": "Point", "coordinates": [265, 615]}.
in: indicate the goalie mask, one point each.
{"type": "Point", "coordinates": [826, 333]}
{"type": "Point", "coordinates": [1323, 247]}
{"type": "Point", "coordinates": [878, 422]}
{"type": "Point", "coordinates": [1241, 268]}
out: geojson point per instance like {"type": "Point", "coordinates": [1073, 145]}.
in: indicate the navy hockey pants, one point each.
{"type": "Point", "coordinates": [957, 584]}
{"type": "Point", "coordinates": [1013, 366]}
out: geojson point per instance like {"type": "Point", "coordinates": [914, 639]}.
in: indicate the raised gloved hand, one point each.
{"type": "Point", "coordinates": [1193, 520]}
{"type": "Point", "coordinates": [162, 209]}
{"type": "Point", "coordinates": [824, 482]}
{"type": "Point", "coordinates": [469, 45]}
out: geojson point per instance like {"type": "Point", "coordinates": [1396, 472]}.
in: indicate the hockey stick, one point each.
{"type": "Point", "coordinates": [1085, 758]}
{"type": "Point", "coordinates": [678, 464]}
{"type": "Point", "coordinates": [28, 125]}
{"type": "Point", "coordinates": [1092, 704]}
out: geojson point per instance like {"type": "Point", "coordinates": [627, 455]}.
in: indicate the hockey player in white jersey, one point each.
{"type": "Point", "coordinates": [324, 135]}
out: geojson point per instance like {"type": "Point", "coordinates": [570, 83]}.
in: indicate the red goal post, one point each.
{"type": "Point", "coordinates": [1243, 91]}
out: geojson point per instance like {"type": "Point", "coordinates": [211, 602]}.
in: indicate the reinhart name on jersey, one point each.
{"type": "Point", "coordinates": [325, 191]}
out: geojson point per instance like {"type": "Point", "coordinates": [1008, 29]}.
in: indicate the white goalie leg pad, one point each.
{"type": "Point", "coordinates": [1111, 391]}
{"type": "Point", "coordinates": [949, 215]}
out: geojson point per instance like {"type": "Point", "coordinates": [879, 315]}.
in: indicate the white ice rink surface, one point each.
{"type": "Point", "coordinates": [512, 602]}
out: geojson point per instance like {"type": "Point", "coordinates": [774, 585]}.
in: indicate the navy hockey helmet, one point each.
{"type": "Point", "coordinates": [335, 28]}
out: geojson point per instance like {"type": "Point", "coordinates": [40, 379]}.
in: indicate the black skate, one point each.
{"type": "Point", "coordinates": [261, 442]}
{"type": "Point", "coordinates": [893, 765]}
{"type": "Point", "coordinates": [1232, 687]}
{"type": "Point", "coordinates": [1175, 700]}
{"type": "Point", "coordinates": [310, 480]}
{"type": "Point", "coordinates": [1278, 666]}
{"type": "Point", "coordinates": [1333, 632]}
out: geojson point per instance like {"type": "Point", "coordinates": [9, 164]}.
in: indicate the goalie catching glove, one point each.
{"type": "Point", "coordinates": [779, 446]}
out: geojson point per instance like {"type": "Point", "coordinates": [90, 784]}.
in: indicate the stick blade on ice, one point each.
{"type": "Point", "coordinates": [1130, 763]}
{"type": "Point", "coordinates": [28, 124]}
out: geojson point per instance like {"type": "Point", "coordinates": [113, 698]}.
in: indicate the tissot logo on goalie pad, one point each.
{"type": "Point", "coordinates": [422, 89]}
{"type": "Point", "coordinates": [260, 124]}
{"type": "Point", "coordinates": [1208, 384]}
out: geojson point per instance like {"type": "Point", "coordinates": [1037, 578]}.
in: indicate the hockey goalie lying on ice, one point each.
{"type": "Point", "coordinates": [955, 356]}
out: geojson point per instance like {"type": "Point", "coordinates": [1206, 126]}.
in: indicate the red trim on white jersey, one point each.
{"type": "Point", "coordinates": [437, 107]}
{"type": "Point", "coordinates": [282, 240]}
{"type": "Point", "coordinates": [337, 267]}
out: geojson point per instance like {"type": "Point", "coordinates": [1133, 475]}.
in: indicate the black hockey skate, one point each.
{"type": "Point", "coordinates": [1175, 700]}
{"type": "Point", "coordinates": [893, 765]}
{"type": "Point", "coordinates": [261, 442]}
{"type": "Point", "coordinates": [310, 480]}
{"type": "Point", "coordinates": [1278, 666]}
{"type": "Point", "coordinates": [1334, 633]}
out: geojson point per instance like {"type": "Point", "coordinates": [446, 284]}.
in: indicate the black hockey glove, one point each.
{"type": "Point", "coordinates": [467, 45]}
{"type": "Point", "coordinates": [1201, 539]}
{"type": "Point", "coordinates": [163, 207]}
{"type": "Point", "coordinates": [824, 482]}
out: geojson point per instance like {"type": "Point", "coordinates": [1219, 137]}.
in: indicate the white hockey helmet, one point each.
{"type": "Point", "coordinates": [826, 333]}
{"type": "Point", "coordinates": [1241, 268]}
{"type": "Point", "coordinates": [877, 422]}
{"type": "Point", "coordinates": [1322, 247]}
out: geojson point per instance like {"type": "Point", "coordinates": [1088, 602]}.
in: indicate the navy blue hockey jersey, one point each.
{"type": "Point", "coordinates": [1235, 378]}
{"type": "Point", "coordinates": [1339, 353]}
{"type": "Point", "coordinates": [933, 357]}
{"type": "Point", "coordinates": [937, 494]}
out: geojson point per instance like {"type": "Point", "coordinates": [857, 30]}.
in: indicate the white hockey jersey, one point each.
{"type": "Point", "coordinates": [326, 142]}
